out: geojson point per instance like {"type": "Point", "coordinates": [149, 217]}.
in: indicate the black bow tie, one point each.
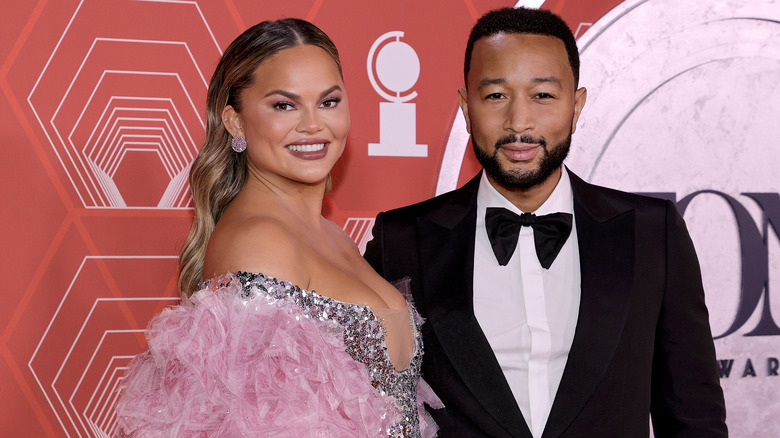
{"type": "Point", "coordinates": [550, 233]}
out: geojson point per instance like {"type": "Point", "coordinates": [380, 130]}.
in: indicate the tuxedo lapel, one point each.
{"type": "Point", "coordinates": [606, 247]}
{"type": "Point", "coordinates": [447, 258]}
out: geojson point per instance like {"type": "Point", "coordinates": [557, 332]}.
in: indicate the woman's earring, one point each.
{"type": "Point", "coordinates": [238, 144]}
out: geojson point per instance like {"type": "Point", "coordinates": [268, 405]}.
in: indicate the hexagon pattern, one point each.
{"type": "Point", "coordinates": [103, 108]}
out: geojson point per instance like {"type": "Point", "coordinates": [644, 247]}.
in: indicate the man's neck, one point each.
{"type": "Point", "coordinates": [530, 199]}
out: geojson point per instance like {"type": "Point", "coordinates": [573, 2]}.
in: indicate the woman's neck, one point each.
{"type": "Point", "coordinates": [303, 201]}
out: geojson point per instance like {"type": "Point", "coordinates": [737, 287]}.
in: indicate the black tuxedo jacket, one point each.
{"type": "Point", "coordinates": [642, 344]}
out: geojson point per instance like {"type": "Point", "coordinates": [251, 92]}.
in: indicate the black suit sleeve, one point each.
{"type": "Point", "coordinates": [375, 248]}
{"type": "Point", "coordinates": [687, 400]}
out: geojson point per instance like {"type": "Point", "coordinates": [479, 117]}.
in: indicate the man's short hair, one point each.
{"type": "Point", "coordinates": [523, 20]}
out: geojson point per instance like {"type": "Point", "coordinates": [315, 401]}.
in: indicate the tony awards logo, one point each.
{"type": "Point", "coordinates": [397, 68]}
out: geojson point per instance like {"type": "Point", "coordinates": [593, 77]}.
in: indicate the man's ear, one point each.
{"type": "Point", "coordinates": [580, 96]}
{"type": "Point", "coordinates": [232, 121]}
{"type": "Point", "coordinates": [464, 107]}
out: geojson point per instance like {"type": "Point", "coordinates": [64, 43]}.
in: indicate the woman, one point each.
{"type": "Point", "coordinates": [293, 334]}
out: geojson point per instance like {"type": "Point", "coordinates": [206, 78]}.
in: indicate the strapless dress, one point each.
{"type": "Point", "coordinates": [252, 355]}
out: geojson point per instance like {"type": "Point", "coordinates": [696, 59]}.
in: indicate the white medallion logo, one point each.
{"type": "Point", "coordinates": [397, 68]}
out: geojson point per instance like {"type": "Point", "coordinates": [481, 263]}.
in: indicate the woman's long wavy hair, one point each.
{"type": "Point", "coordinates": [218, 173]}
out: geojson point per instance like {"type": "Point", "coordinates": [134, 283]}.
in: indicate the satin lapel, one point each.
{"type": "Point", "coordinates": [606, 246]}
{"type": "Point", "coordinates": [447, 259]}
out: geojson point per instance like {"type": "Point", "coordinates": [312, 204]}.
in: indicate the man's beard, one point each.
{"type": "Point", "coordinates": [551, 160]}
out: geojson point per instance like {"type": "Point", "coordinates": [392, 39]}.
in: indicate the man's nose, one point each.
{"type": "Point", "coordinates": [519, 117]}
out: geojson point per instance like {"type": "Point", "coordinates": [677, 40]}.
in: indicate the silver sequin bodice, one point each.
{"type": "Point", "coordinates": [364, 337]}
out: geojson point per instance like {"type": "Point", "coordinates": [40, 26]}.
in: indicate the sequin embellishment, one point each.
{"type": "Point", "coordinates": [364, 337]}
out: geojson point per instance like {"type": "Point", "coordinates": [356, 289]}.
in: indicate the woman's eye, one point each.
{"type": "Point", "coordinates": [330, 103]}
{"type": "Point", "coordinates": [283, 106]}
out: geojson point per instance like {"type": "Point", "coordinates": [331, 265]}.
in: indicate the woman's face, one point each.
{"type": "Point", "coordinates": [295, 116]}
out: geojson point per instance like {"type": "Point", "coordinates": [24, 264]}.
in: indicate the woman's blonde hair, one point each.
{"type": "Point", "coordinates": [218, 173]}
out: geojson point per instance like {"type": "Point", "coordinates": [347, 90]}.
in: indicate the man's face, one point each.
{"type": "Point", "coordinates": [521, 107]}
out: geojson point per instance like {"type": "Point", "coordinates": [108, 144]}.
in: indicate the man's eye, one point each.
{"type": "Point", "coordinates": [544, 96]}
{"type": "Point", "coordinates": [494, 96]}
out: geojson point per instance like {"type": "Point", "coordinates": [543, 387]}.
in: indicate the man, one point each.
{"type": "Point", "coordinates": [587, 335]}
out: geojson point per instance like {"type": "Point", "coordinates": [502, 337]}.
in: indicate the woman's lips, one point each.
{"type": "Point", "coordinates": [309, 150]}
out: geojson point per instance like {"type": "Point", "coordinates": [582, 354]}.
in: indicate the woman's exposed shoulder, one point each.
{"type": "Point", "coordinates": [339, 234]}
{"type": "Point", "coordinates": [256, 244]}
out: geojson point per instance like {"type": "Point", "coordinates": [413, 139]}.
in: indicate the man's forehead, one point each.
{"type": "Point", "coordinates": [502, 51]}
{"type": "Point", "coordinates": [514, 40]}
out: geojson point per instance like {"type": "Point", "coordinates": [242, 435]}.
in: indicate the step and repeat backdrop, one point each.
{"type": "Point", "coordinates": [102, 111]}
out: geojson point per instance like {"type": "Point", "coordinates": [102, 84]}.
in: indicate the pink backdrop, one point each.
{"type": "Point", "coordinates": [102, 110]}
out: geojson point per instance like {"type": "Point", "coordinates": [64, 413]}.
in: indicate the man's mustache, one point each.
{"type": "Point", "coordinates": [525, 138]}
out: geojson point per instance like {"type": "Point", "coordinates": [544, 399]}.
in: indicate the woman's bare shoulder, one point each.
{"type": "Point", "coordinates": [257, 244]}
{"type": "Point", "coordinates": [339, 235]}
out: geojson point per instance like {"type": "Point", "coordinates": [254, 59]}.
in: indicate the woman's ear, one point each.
{"type": "Point", "coordinates": [232, 121]}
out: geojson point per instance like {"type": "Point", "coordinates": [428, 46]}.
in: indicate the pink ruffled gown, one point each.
{"type": "Point", "coordinates": [251, 355]}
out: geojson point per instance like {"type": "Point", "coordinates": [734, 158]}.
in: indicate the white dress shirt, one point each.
{"type": "Point", "coordinates": [528, 313]}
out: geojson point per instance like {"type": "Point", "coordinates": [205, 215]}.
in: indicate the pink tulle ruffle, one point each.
{"type": "Point", "coordinates": [220, 367]}
{"type": "Point", "coordinates": [425, 395]}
